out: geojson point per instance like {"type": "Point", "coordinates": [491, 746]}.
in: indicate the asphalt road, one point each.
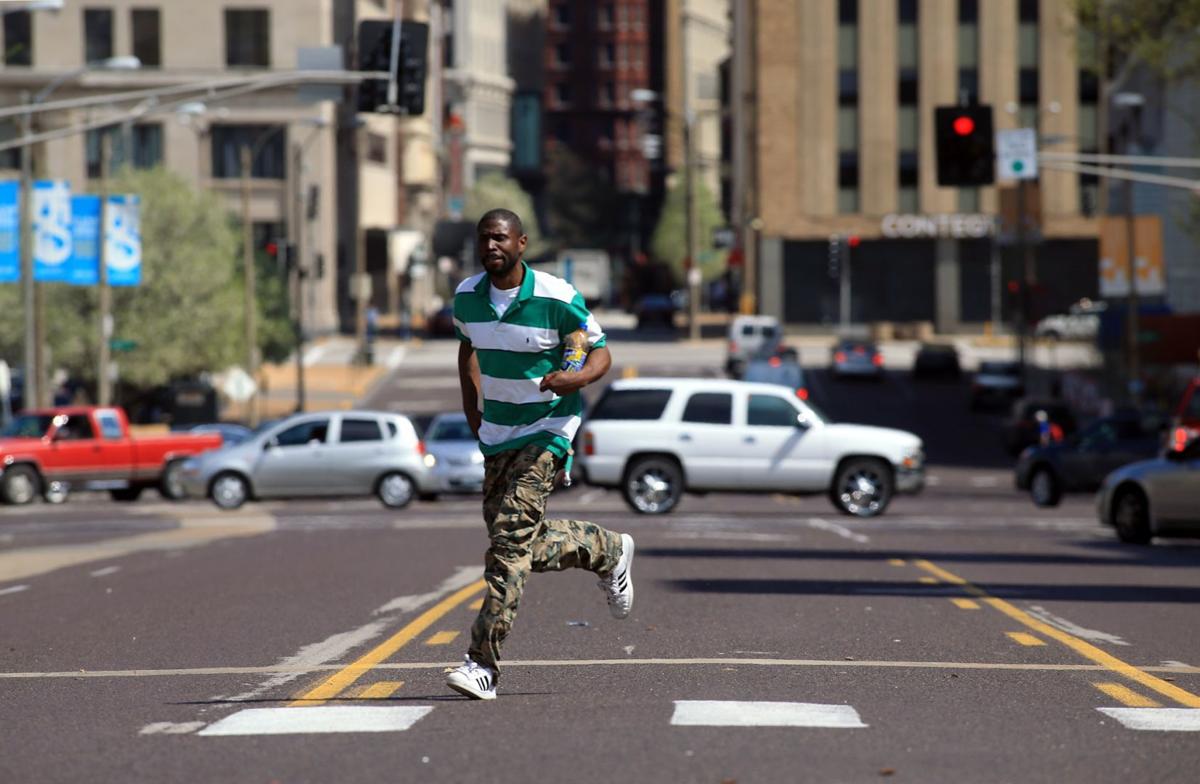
{"type": "Point", "coordinates": [963, 636]}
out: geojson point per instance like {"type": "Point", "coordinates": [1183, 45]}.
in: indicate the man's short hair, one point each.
{"type": "Point", "coordinates": [500, 214]}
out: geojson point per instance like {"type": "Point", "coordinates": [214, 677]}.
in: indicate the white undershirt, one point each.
{"type": "Point", "coordinates": [502, 298]}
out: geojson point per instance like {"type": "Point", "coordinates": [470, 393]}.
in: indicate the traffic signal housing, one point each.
{"type": "Point", "coordinates": [966, 147]}
{"type": "Point", "coordinates": [375, 54]}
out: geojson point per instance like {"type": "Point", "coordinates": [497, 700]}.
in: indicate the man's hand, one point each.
{"type": "Point", "coordinates": [562, 382]}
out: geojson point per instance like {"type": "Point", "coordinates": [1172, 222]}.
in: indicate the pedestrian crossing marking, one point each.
{"type": "Point", "coordinates": [1156, 719]}
{"type": "Point", "coordinates": [324, 719]}
{"type": "Point", "coordinates": [965, 604]}
{"type": "Point", "coordinates": [442, 638]}
{"type": "Point", "coordinates": [735, 713]}
{"type": "Point", "coordinates": [1126, 696]}
{"type": "Point", "coordinates": [927, 580]}
{"type": "Point", "coordinates": [380, 691]}
{"type": "Point", "coordinates": [1024, 638]}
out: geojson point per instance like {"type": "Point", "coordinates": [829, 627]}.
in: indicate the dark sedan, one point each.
{"type": "Point", "coordinates": [1080, 462]}
{"type": "Point", "coordinates": [936, 360]}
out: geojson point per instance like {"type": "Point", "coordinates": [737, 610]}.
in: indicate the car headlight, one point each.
{"type": "Point", "coordinates": [913, 459]}
{"type": "Point", "coordinates": [477, 458]}
{"type": "Point", "coordinates": [430, 460]}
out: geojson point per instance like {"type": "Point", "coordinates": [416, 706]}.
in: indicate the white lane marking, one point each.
{"type": "Point", "coordinates": [335, 647]}
{"type": "Point", "coordinates": [984, 481]}
{"type": "Point", "coordinates": [836, 528]}
{"type": "Point", "coordinates": [1045, 616]}
{"type": "Point", "coordinates": [732, 713]}
{"type": "Point", "coordinates": [395, 357]}
{"type": "Point", "coordinates": [331, 718]}
{"type": "Point", "coordinates": [739, 535]}
{"type": "Point", "coordinates": [14, 589]}
{"type": "Point", "coordinates": [591, 495]}
{"type": "Point", "coordinates": [1156, 719]}
{"type": "Point", "coordinates": [171, 728]}
{"type": "Point", "coordinates": [933, 480]}
{"type": "Point", "coordinates": [1174, 663]}
{"type": "Point", "coordinates": [106, 571]}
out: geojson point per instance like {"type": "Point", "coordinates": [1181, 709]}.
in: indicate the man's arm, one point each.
{"type": "Point", "coordinates": [468, 380]}
{"type": "Point", "coordinates": [598, 361]}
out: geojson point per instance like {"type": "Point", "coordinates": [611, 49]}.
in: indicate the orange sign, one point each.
{"type": "Point", "coordinates": [1114, 255]}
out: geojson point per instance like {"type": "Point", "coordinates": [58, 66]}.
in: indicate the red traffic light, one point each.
{"type": "Point", "coordinates": [271, 249]}
{"type": "Point", "coordinates": [964, 125]}
{"type": "Point", "coordinates": [853, 241]}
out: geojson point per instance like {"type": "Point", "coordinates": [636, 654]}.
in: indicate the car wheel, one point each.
{"type": "Point", "coordinates": [56, 492]}
{"type": "Point", "coordinates": [863, 487]}
{"type": "Point", "coordinates": [20, 485]}
{"type": "Point", "coordinates": [653, 485]}
{"type": "Point", "coordinates": [1131, 517]}
{"type": "Point", "coordinates": [396, 490]}
{"type": "Point", "coordinates": [1044, 487]}
{"type": "Point", "coordinates": [170, 486]}
{"type": "Point", "coordinates": [125, 494]}
{"type": "Point", "coordinates": [229, 490]}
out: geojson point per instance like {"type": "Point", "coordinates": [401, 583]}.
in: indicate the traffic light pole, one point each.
{"type": "Point", "coordinates": [103, 378]}
{"type": "Point", "coordinates": [27, 284]}
{"type": "Point", "coordinates": [1027, 278]}
{"type": "Point", "coordinates": [844, 287]}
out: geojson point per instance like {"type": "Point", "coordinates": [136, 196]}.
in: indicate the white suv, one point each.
{"type": "Point", "coordinates": [657, 437]}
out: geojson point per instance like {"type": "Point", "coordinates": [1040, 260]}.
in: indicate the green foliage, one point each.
{"type": "Point", "coordinates": [583, 209]}
{"type": "Point", "coordinates": [186, 316]}
{"type": "Point", "coordinates": [1160, 34]}
{"type": "Point", "coordinates": [669, 242]}
{"type": "Point", "coordinates": [494, 190]}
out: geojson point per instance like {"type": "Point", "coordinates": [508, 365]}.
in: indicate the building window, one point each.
{"type": "Point", "coordinates": [562, 94]}
{"type": "Point", "coordinates": [907, 35]}
{"type": "Point", "coordinates": [604, 17]}
{"type": "Point", "coordinates": [527, 132]}
{"type": "Point", "coordinates": [147, 36]}
{"type": "Point", "coordinates": [18, 38]}
{"type": "Point", "coordinates": [97, 34]}
{"type": "Point", "coordinates": [562, 15]}
{"type": "Point", "coordinates": [848, 182]}
{"type": "Point", "coordinates": [607, 94]}
{"type": "Point", "coordinates": [908, 177]}
{"type": "Point", "coordinates": [247, 38]}
{"type": "Point", "coordinates": [968, 200]}
{"type": "Point", "coordinates": [908, 114]}
{"type": "Point", "coordinates": [605, 55]}
{"type": "Point", "coordinates": [227, 143]}
{"type": "Point", "coordinates": [376, 147]}
{"type": "Point", "coordinates": [968, 85]}
{"type": "Point", "coordinates": [562, 56]}
{"type": "Point", "coordinates": [141, 145]}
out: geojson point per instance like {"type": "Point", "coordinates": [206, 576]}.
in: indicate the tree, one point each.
{"type": "Point", "coordinates": [185, 317]}
{"type": "Point", "coordinates": [494, 190]}
{"type": "Point", "coordinates": [1123, 34]}
{"type": "Point", "coordinates": [669, 241]}
{"type": "Point", "coordinates": [582, 207]}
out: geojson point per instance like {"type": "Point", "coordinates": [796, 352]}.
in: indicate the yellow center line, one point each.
{"type": "Point", "coordinates": [442, 638]}
{"type": "Point", "coordinates": [927, 580]}
{"type": "Point", "coordinates": [1084, 649]}
{"type": "Point", "coordinates": [1126, 696]}
{"type": "Point", "coordinates": [345, 677]}
{"type": "Point", "coordinates": [1024, 639]}
{"type": "Point", "coordinates": [965, 604]}
{"type": "Point", "coordinates": [381, 690]}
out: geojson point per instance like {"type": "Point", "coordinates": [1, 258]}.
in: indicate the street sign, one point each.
{"type": "Point", "coordinates": [238, 386]}
{"type": "Point", "coordinates": [51, 229]}
{"type": "Point", "coordinates": [5, 379]}
{"type": "Point", "coordinates": [122, 344]}
{"type": "Point", "coordinates": [10, 231]}
{"type": "Point", "coordinates": [1016, 154]}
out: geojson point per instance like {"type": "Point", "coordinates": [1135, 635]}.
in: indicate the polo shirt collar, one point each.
{"type": "Point", "coordinates": [482, 288]}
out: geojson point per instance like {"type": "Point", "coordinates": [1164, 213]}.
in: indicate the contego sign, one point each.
{"type": "Point", "coordinates": [955, 226]}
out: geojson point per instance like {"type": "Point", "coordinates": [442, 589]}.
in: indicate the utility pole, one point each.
{"type": "Point", "coordinates": [27, 284]}
{"type": "Point", "coordinates": [1131, 328]}
{"type": "Point", "coordinates": [298, 268]}
{"type": "Point", "coordinates": [689, 194]}
{"type": "Point", "coordinates": [360, 287]}
{"type": "Point", "coordinates": [251, 297]}
{"type": "Point", "coordinates": [1026, 250]}
{"type": "Point", "coordinates": [103, 379]}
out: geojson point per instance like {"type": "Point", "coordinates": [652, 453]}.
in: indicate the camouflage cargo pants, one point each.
{"type": "Point", "coordinates": [515, 488]}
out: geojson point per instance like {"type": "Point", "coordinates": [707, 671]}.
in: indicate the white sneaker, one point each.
{"type": "Point", "coordinates": [473, 680]}
{"type": "Point", "coordinates": [619, 582]}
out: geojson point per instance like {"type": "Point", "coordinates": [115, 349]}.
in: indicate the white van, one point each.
{"type": "Point", "coordinates": [751, 336]}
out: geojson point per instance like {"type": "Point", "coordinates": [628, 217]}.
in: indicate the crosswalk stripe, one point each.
{"type": "Point", "coordinates": [735, 713]}
{"type": "Point", "coordinates": [1156, 719]}
{"type": "Point", "coordinates": [323, 719]}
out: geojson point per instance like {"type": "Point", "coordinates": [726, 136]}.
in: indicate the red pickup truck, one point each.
{"type": "Point", "coordinates": [52, 451]}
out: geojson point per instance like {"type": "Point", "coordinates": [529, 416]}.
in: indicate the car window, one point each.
{"type": "Point", "coordinates": [1101, 434]}
{"type": "Point", "coordinates": [27, 426]}
{"type": "Point", "coordinates": [110, 426]}
{"type": "Point", "coordinates": [451, 430]}
{"type": "Point", "coordinates": [1192, 409]}
{"type": "Point", "coordinates": [639, 404]}
{"type": "Point", "coordinates": [360, 430]}
{"type": "Point", "coordinates": [393, 429]}
{"type": "Point", "coordinates": [770, 411]}
{"type": "Point", "coordinates": [713, 408]}
{"type": "Point", "coordinates": [304, 433]}
{"type": "Point", "coordinates": [75, 427]}
{"type": "Point", "coordinates": [747, 329]}
{"type": "Point", "coordinates": [998, 368]}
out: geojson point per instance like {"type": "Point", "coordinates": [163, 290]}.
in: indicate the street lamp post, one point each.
{"type": "Point", "coordinates": [300, 270]}
{"type": "Point", "coordinates": [1133, 102]}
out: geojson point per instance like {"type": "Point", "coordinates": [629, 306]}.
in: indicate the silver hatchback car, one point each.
{"type": "Point", "coordinates": [343, 453]}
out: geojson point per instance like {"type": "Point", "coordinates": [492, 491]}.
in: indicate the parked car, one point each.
{"type": "Point", "coordinates": [231, 433]}
{"type": "Point", "coordinates": [856, 358]}
{"type": "Point", "coordinates": [655, 310]}
{"type": "Point", "coordinates": [749, 337]}
{"type": "Point", "coordinates": [1080, 462]}
{"type": "Point", "coordinates": [1080, 322]}
{"type": "Point", "coordinates": [55, 450]}
{"type": "Point", "coordinates": [780, 370]}
{"type": "Point", "coordinates": [936, 360]}
{"type": "Point", "coordinates": [344, 453]}
{"type": "Point", "coordinates": [655, 438]}
{"type": "Point", "coordinates": [1024, 427]}
{"type": "Point", "coordinates": [1158, 497]}
{"type": "Point", "coordinates": [452, 456]}
{"type": "Point", "coordinates": [996, 384]}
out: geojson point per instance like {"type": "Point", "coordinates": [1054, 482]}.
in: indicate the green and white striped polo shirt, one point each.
{"type": "Point", "coordinates": [516, 351]}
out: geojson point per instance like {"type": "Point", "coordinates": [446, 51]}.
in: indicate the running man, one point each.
{"type": "Point", "coordinates": [511, 322]}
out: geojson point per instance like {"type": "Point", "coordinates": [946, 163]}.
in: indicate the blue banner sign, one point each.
{"type": "Point", "coordinates": [51, 229]}
{"type": "Point", "coordinates": [10, 231]}
{"type": "Point", "coordinates": [123, 240]}
{"type": "Point", "coordinates": [84, 267]}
